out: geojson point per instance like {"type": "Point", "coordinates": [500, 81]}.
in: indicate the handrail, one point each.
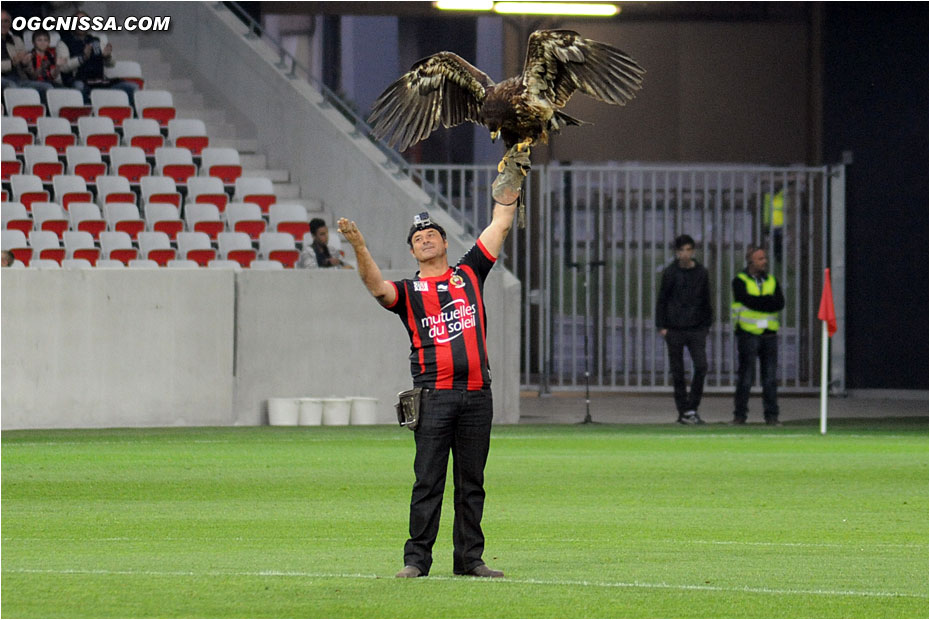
{"type": "Point", "coordinates": [360, 126]}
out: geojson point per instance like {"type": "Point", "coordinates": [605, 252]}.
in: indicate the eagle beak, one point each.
{"type": "Point", "coordinates": [495, 134]}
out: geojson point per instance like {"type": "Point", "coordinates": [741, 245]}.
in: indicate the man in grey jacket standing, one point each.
{"type": "Point", "coordinates": [683, 317]}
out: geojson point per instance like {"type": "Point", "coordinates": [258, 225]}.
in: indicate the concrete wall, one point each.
{"type": "Point", "coordinates": [99, 348]}
{"type": "Point", "coordinates": [110, 348]}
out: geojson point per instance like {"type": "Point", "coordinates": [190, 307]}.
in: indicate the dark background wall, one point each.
{"type": "Point", "coordinates": [875, 105]}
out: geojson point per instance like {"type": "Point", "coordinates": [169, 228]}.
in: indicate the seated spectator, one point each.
{"type": "Point", "coordinates": [82, 59]}
{"type": "Point", "coordinates": [14, 53]}
{"type": "Point", "coordinates": [6, 258]}
{"type": "Point", "coordinates": [319, 254]}
{"type": "Point", "coordinates": [40, 67]}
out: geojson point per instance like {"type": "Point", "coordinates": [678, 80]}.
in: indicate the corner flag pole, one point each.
{"type": "Point", "coordinates": [824, 371]}
{"type": "Point", "coordinates": [827, 314]}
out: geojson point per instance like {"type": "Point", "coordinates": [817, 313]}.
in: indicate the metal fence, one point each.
{"type": "Point", "coordinates": [598, 237]}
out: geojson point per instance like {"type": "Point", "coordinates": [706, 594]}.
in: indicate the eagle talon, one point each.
{"type": "Point", "coordinates": [500, 166]}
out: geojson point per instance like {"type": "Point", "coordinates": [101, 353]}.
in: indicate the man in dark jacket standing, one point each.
{"type": "Point", "coordinates": [683, 317]}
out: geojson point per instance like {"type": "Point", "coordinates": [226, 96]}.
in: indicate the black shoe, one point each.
{"type": "Point", "coordinates": [772, 422]}
{"type": "Point", "coordinates": [736, 421]}
{"type": "Point", "coordinates": [690, 417]}
{"type": "Point", "coordinates": [482, 570]}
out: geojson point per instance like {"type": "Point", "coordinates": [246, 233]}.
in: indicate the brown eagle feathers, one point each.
{"type": "Point", "coordinates": [444, 88]}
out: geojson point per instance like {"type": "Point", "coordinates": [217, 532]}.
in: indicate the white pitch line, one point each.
{"type": "Point", "coordinates": [539, 582]}
{"type": "Point", "coordinates": [803, 545]}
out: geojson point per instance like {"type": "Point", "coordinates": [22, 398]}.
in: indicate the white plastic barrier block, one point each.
{"type": "Point", "coordinates": [336, 411]}
{"type": "Point", "coordinates": [311, 412]}
{"type": "Point", "coordinates": [282, 411]}
{"type": "Point", "coordinates": [364, 410]}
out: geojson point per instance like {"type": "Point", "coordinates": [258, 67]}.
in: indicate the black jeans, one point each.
{"type": "Point", "coordinates": [460, 421]}
{"type": "Point", "coordinates": [696, 340]}
{"type": "Point", "coordinates": [765, 347]}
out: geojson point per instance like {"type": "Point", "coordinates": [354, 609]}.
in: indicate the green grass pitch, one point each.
{"type": "Point", "coordinates": [586, 521]}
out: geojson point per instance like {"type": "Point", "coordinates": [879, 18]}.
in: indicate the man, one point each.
{"type": "Point", "coordinates": [443, 311]}
{"type": "Point", "coordinates": [14, 53]}
{"type": "Point", "coordinates": [6, 258]}
{"type": "Point", "coordinates": [683, 317]}
{"type": "Point", "coordinates": [319, 253]}
{"type": "Point", "coordinates": [82, 59]}
{"type": "Point", "coordinates": [757, 299]}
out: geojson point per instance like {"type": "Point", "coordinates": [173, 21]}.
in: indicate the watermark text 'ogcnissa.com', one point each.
{"type": "Point", "coordinates": [96, 23]}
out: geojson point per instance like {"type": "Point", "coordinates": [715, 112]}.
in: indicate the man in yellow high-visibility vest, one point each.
{"type": "Point", "coordinates": [757, 300]}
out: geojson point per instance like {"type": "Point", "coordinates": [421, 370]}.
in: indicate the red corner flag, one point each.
{"type": "Point", "coordinates": [827, 312]}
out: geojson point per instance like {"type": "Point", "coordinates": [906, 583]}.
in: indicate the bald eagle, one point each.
{"type": "Point", "coordinates": [522, 110]}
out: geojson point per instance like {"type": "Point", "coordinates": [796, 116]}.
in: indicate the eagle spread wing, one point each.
{"type": "Point", "coordinates": [559, 62]}
{"type": "Point", "coordinates": [440, 88]}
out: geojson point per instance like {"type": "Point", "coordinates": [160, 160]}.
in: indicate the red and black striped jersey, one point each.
{"type": "Point", "coordinates": [445, 319]}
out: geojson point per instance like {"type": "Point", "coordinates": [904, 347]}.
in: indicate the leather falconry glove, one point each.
{"type": "Point", "coordinates": [515, 165]}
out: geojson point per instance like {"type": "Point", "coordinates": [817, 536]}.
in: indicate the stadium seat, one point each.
{"type": "Point", "coordinates": [15, 132]}
{"type": "Point", "coordinates": [86, 162]}
{"type": "Point", "coordinates": [50, 216]}
{"type": "Point", "coordinates": [27, 189]}
{"type": "Point", "coordinates": [76, 263]}
{"type": "Point", "coordinates": [175, 162]}
{"type": "Point", "coordinates": [258, 190]}
{"type": "Point", "coordinates": [205, 218]}
{"type": "Point", "coordinates": [165, 218]}
{"type": "Point", "coordinates": [123, 217]}
{"type": "Point", "coordinates": [222, 263]}
{"type": "Point", "coordinates": [85, 216]}
{"type": "Point", "coordinates": [278, 246]}
{"type": "Point", "coordinates": [159, 189]}
{"type": "Point", "coordinates": [155, 104]}
{"type": "Point", "coordinates": [156, 246]}
{"type": "Point", "coordinates": [145, 263]}
{"type": "Point", "coordinates": [46, 246]}
{"type": "Point", "coordinates": [183, 263]}
{"type": "Point", "coordinates": [207, 189]}
{"type": "Point", "coordinates": [245, 217]}
{"type": "Point", "coordinates": [98, 131]}
{"type": "Point", "coordinates": [265, 265]}
{"type": "Point", "coordinates": [15, 217]}
{"type": "Point", "coordinates": [109, 263]}
{"type": "Point", "coordinates": [70, 188]}
{"type": "Point", "coordinates": [67, 103]}
{"type": "Point", "coordinates": [56, 133]}
{"type": "Point", "coordinates": [289, 218]}
{"type": "Point", "coordinates": [15, 242]}
{"type": "Point", "coordinates": [11, 164]}
{"type": "Point", "coordinates": [114, 188]}
{"type": "Point", "coordinates": [44, 263]}
{"type": "Point", "coordinates": [112, 103]}
{"type": "Point", "coordinates": [188, 133]}
{"type": "Point", "coordinates": [127, 70]}
{"type": "Point", "coordinates": [236, 246]}
{"type": "Point", "coordinates": [80, 244]}
{"type": "Point", "coordinates": [143, 133]}
{"type": "Point", "coordinates": [24, 103]}
{"type": "Point", "coordinates": [129, 162]}
{"type": "Point", "coordinates": [196, 246]}
{"type": "Point", "coordinates": [117, 246]}
{"type": "Point", "coordinates": [42, 161]}
{"type": "Point", "coordinates": [222, 163]}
